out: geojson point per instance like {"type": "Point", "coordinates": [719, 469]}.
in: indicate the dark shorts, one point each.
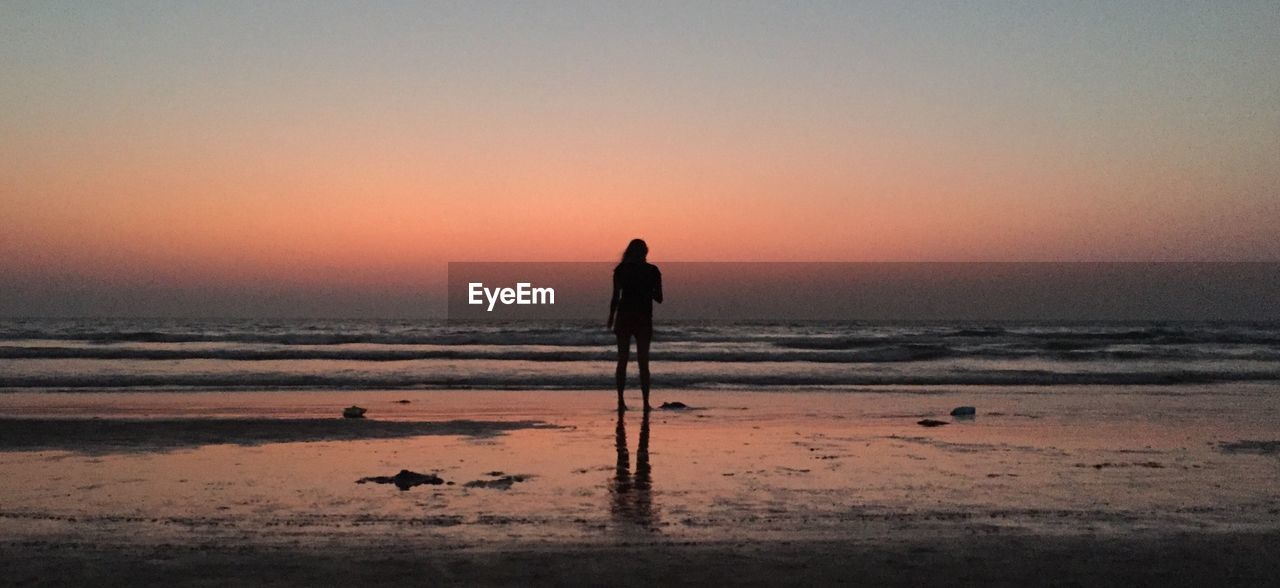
{"type": "Point", "coordinates": [633, 325]}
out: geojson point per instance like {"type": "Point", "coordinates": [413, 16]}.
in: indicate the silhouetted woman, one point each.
{"type": "Point", "coordinates": [636, 285]}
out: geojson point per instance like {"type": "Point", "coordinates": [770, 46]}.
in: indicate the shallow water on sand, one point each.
{"type": "Point", "coordinates": [737, 466]}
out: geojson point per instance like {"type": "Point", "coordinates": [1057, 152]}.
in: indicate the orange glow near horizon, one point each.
{"type": "Point", "coordinates": [386, 212]}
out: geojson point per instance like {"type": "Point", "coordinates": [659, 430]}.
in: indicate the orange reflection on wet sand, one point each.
{"type": "Point", "coordinates": [736, 466]}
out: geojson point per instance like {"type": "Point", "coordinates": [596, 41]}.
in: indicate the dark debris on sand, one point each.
{"type": "Point", "coordinates": [504, 482]}
{"type": "Point", "coordinates": [931, 423]}
{"type": "Point", "coordinates": [1136, 464]}
{"type": "Point", "coordinates": [1246, 446]}
{"type": "Point", "coordinates": [404, 480]}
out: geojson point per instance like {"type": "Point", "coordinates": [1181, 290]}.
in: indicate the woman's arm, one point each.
{"type": "Point", "coordinates": [613, 301]}
{"type": "Point", "coordinates": [657, 286]}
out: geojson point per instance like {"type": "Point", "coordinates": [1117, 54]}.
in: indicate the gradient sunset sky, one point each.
{"type": "Point", "coordinates": [211, 153]}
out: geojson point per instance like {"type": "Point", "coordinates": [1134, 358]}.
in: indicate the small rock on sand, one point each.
{"type": "Point", "coordinates": [404, 480]}
{"type": "Point", "coordinates": [964, 411]}
{"type": "Point", "coordinates": [402, 402]}
{"type": "Point", "coordinates": [931, 423]}
{"type": "Point", "coordinates": [673, 406]}
{"type": "Point", "coordinates": [354, 412]}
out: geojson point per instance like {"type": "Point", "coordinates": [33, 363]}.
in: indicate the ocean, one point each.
{"type": "Point", "coordinates": [168, 354]}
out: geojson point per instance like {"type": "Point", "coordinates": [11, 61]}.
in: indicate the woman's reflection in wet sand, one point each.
{"type": "Point", "coordinates": [632, 497]}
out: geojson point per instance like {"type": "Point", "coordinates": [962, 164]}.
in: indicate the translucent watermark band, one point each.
{"type": "Point", "coordinates": [733, 291]}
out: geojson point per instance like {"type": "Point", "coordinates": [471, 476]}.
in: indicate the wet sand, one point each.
{"type": "Point", "coordinates": [98, 435]}
{"type": "Point", "coordinates": [1209, 559]}
{"type": "Point", "coordinates": [1069, 485]}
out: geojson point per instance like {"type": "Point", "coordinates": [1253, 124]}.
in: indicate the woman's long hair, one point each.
{"type": "Point", "coordinates": [636, 252]}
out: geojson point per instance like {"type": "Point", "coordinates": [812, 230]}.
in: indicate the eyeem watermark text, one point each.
{"type": "Point", "coordinates": [523, 293]}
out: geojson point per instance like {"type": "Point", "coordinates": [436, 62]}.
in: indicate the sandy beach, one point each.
{"type": "Point", "coordinates": [547, 487]}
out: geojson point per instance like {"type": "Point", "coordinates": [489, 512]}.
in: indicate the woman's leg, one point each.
{"type": "Point", "coordinates": [624, 350]}
{"type": "Point", "coordinates": [642, 360]}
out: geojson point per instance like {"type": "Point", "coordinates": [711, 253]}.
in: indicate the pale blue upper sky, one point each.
{"type": "Point", "coordinates": [1191, 68]}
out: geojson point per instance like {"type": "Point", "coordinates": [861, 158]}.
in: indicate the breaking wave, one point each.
{"type": "Point", "coordinates": [109, 354]}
